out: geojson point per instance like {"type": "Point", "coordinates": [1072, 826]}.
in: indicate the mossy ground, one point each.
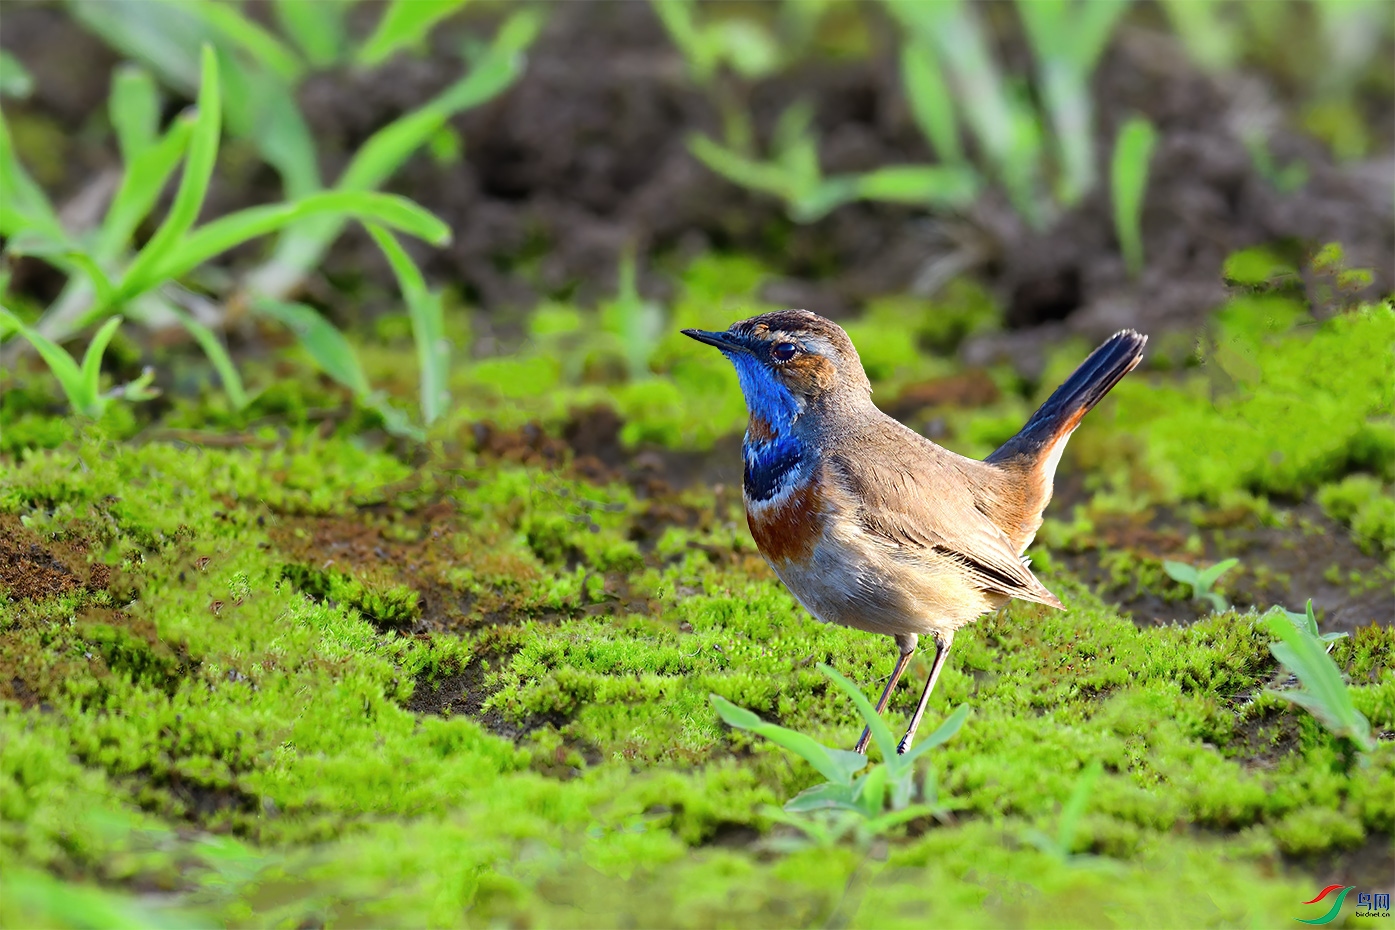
{"type": "Point", "coordinates": [312, 676]}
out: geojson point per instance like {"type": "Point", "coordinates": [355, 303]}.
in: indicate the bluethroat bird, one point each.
{"type": "Point", "coordinates": [868, 523]}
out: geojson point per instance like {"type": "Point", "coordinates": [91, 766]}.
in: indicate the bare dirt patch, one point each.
{"type": "Point", "coordinates": [34, 568]}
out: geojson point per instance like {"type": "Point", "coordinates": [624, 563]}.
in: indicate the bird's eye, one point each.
{"type": "Point", "coordinates": [784, 351]}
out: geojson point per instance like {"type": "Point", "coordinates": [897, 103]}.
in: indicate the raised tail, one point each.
{"type": "Point", "coordinates": [1036, 449]}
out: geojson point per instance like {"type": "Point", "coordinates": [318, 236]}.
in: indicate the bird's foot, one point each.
{"type": "Point", "coordinates": [861, 747]}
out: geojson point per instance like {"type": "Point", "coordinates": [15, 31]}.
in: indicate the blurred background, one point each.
{"type": "Point", "coordinates": [371, 540]}
{"type": "Point", "coordinates": [987, 178]}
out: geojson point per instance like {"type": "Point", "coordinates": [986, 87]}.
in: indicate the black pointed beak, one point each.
{"type": "Point", "coordinates": [724, 341]}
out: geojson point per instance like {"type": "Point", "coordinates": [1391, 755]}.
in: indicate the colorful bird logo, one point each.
{"type": "Point", "coordinates": [1336, 905]}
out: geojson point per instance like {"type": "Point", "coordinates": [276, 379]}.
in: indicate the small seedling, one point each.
{"type": "Point", "coordinates": [1323, 693]}
{"type": "Point", "coordinates": [1306, 621]}
{"type": "Point", "coordinates": [1201, 580]}
{"type": "Point", "coordinates": [1060, 845]}
{"type": "Point", "coordinates": [81, 383]}
{"type": "Point", "coordinates": [867, 796]}
{"type": "Point", "coordinates": [1128, 183]}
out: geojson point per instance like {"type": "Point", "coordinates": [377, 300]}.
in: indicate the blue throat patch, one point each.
{"type": "Point", "coordinates": [767, 461]}
{"type": "Point", "coordinates": [766, 397]}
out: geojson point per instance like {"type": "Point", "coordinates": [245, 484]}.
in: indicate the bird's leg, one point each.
{"type": "Point", "coordinates": [907, 645]}
{"type": "Point", "coordinates": [942, 644]}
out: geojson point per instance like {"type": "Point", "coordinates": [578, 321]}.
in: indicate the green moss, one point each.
{"type": "Point", "coordinates": [242, 722]}
{"type": "Point", "coordinates": [282, 718]}
{"type": "Point", "coordinates": [1363, 503]}
{"type": "Point", "coordinates": [1272, 410]}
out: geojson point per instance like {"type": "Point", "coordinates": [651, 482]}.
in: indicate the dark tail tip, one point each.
{"type": "Point", "coordinates": [1105, 367]}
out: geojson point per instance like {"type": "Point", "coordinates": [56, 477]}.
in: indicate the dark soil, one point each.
{"type": "Point", "coordinates": [1311, 557]}
{"type": "Point", "coordinates": [31, 567]}
{"type": "Point", "coordinates": [587, 153]}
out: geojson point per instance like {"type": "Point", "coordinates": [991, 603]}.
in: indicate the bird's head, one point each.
{"type": "Point", "coordinates": [789, 360]}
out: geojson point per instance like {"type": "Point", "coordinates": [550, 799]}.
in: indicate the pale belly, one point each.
{"type": "Point", "coordinates": [869, 588]}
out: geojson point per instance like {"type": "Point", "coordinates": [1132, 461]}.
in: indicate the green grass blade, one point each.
{"type": "Point", "coordinates": [1066, 95]}
{"type": "Point", "coordinates": [134, 108]}
{"type": "Point", "coordinates": [217, 354]}
{"type": "Point", "coordinates": [106, 291]}
{"type": "Point", "coordinates": [823, 198]}
{"type": "Point", "coordinates": [1067, 42]}
{"type": "Point", "coordinates": [1128, 181]}
{"type": "Point", "coordinates": [1324, 693]}
{"type": "Point", "coordinates": [316, 26]}
{"type": "Point", "coordinates": [92, 359]}
{"type": "Point", "coordinates": [881, 733]}
{"type": "Point", "coordinates": [1210, 39]}
{"type": "Point", "coordinates": [1093, 26]}
{"type": "Point", "coordinates": [869, 793]}
{"type": "Point", "coordinates": [164, 37]}
{"type": "Point", "coordinates": [795, 147]}
{"type": "Point", "coordinates": [428, 325]}
{"type": "Point", "coordinates": [1002, 121]}
{"type": "Point", "coordinates": [23, 203]}
{"type": "Point", "coordinates": [1180, 572]}
{"type": "Point", "coordinates": [1209, 576]}
{"type": "Point", "coordinates": [765, 177]}
{"type": "Point", "coordinates": [59, 362]}
{"type": "Point", "coordinates": [250, 36]}
{"type": "Point", "coordinates": [141, 184]}
{"type": "Point", "coordinates": [193, 185]}
{"type": "Point", "coordinates": [822, 797]}
{"type": "Point", "coordinates": [325, 344]}
{"type": "Point", "coordinates": [261, 107]}
{"type": "Point", "coordinates": [928, 185]}
{"type": "Point", "coordinates": [386, 151]}
{"type": "Point", "coordinates": [1075, 806]}
{"type": "Point", "coordinates": [390, 147]}
{"type": "Point", "coordinates": [832, 764]}
{"type": "Point", "coordinates": [226, 232]}
{"type": "Point", "coordinates": [700, 52]}
{"type": "Point", "coordinates": [943, 734]}
{"type": "Point", "coordinates": [885, 822]}
{"type": "Point", "coordinates": [404, 23]}
{"type": "Point", "coordinates": [932, 103]}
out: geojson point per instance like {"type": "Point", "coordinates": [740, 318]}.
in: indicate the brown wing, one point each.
{"type": "Point", "coordinates": [917, 496]}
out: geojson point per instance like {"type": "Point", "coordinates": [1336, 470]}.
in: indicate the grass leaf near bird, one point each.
{"type": "Point", "coordinates": [249, 37]}
{"type": "Point", "coordinates": [836, 765]}
{"type": "Point", "coordinates": [169, 236]}
{"type": "Point", "coordinates": [302, 246]}
{"type": "Point", "coordinates": [217, 354]}
{"type": "Point", "coordinates": [23, 204]}
{"type": "Point", "coordinates": [326, 345]}
{"type": "Point", "coordinates": [134, 110]}
{"type": "Point", "coordinates": [882, 795]}
{"type": "Point", "coordinates": [424, 308]}
{"type": "Point", "coordinates": [881, 733]}
{"type": "Point", "coordinates": [932, 104]}
{"type": "Point", "coordinates": [1322, 691]}
{"type": "Point", "coordinates": [403, 23]}
{"type": "Point", "coordinates": [1201, 579]}
{"type": "Point", "coordinates": [1306, 621]}
{"type": "Point", "coordinates": [318, 28]}
{"type": "Point", "coordinates": [1061, 845]}
{"type": "Point", "coordinates": [60, 363]}
{"type": "Point", "coordinates": [1133, 150]}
